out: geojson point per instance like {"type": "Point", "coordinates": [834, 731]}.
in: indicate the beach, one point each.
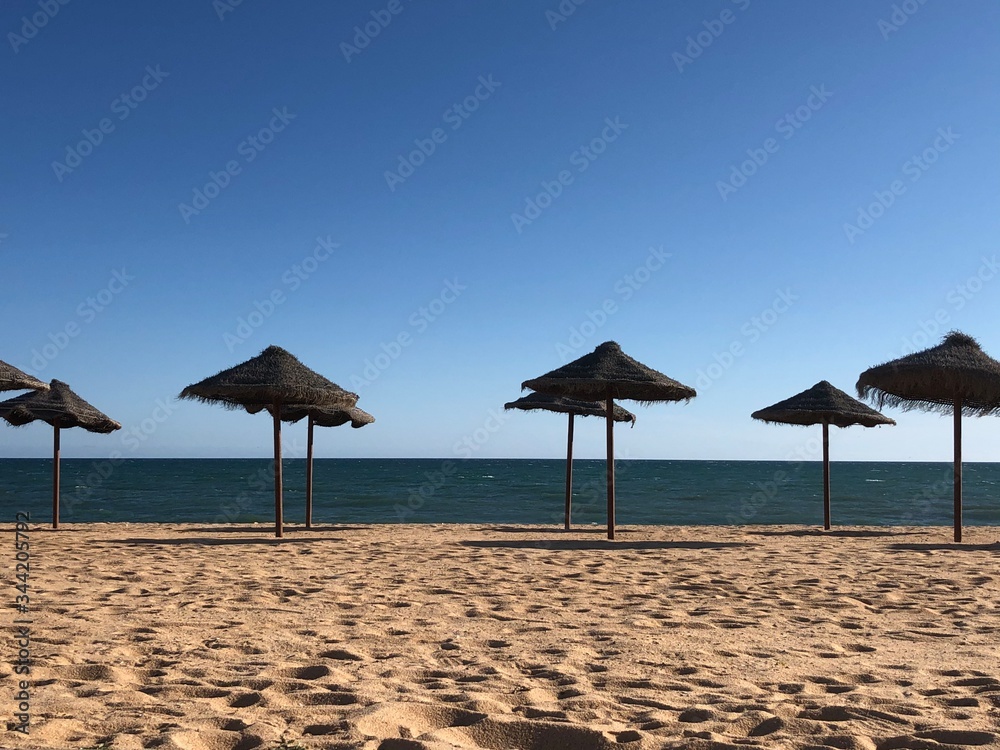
{"type": "Point", "coordinates": [438, 636]}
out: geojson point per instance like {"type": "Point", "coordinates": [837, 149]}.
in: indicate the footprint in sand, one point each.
{"type": "Point", "coordinates": [305, 673]}
{"type": "Point", "coordinates": [325, 698]}
{"type": "Point", "coordinates": [245, 700]}
{"type": "Point", "coordinates": [697, 715]}
{"type": "Point", "coordinates": [341, 655]}
{"type": "Point", "coordinates": [408, 726]}
{"type": "Point", "coordinates": [935, 737]}
{"type": "Point", "coordinates": [216, 739]}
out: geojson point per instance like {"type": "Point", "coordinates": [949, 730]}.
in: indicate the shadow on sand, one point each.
{"type": "Point", "coordinates": [267, 528]}
{"type": "Point", "coordinates": [606, 544]}
{"type": "Point", "coordinates": [846, 533]}
{"type": "Point", "coordinates": [550, 529]}
{"type": "Point", "coordinates": [946, 547]}
{"type": "Point", "coordinates": [207, 542]}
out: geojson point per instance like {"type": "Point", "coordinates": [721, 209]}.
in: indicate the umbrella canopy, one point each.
{"type": "Point", "coordinates": [571, 406]}
{"type": "Point", "coordinates": [276, 378]}
{"type": "Point", "coordinates": [292, 413]}
{"type": "Point", "coordinates": [608, 372]}
{"type": "Point", "coordinates": [826, 405]}
{"type": "Point", "coordinates": [954, 377]}
{"type": "Point", "coordinates": [322, 418]}
{"type": "Point", "coordinates": [61, 408]}
{"type": "Point", "coordinates": [932, 379]}
{"type": "Point", "coordinates": [12, 379]}
{"type": "Point", "coordinates": [574, 408]}
{"type": "Point", "coordinates": [605, 374]}
{"type": "Point", "coordinates": [822, 404]}
{"type": "Point", "coordinates": [272, 377]}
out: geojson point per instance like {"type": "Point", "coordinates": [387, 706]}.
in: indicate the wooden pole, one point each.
{"type": "Point", "coordinates": [278, 526]}
{"type": "Point", "coordinates": [958, 468]}
{"type": "Point", "coordinates": [55, 478]}
{"type": "Point", "coordinates": [611, 464]}
{"type": "Point", "coordinates": [569, 473]}
{"type": "Point", "coordinates": [826, 476]}
{"type": "Point", "coordinates": [309, 475]}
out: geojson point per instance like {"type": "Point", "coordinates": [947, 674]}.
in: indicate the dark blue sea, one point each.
{"type": "Point", "coordinates": [498, 491]}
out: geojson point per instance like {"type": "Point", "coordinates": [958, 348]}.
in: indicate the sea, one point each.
{"type": "Point", "coordinates": [501, 491]}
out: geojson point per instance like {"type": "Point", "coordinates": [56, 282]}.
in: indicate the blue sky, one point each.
{"type": "Point", "coordinates": [430, 202]}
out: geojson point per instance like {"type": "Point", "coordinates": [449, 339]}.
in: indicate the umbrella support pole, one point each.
{"type": "Point", "coordinates": [826, 476]}
{"type": "Point", "coordinates": [278, 525]}
{"type": "Point", "coordinates": [569, 473]}
{"type": "Point", "coordinates": [55, 478]}
{"type": "Point", "coordinates": [309, 475]}
{"type": "Point", "coordinates": [611, 464]}
{"type": "Point", "coordinates": [958, 468]}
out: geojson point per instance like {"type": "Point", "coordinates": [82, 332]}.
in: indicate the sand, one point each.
{"type": "Point", "coordinates": [406, 637]}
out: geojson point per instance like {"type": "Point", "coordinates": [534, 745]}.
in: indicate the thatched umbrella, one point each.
{"type": "Point", "coordinates": [62, 409]}
{"type": "Point", "coordinates": [953, 377]}
{"type": "Point", "coordinates": [12, 379]}
{"type": "Point", "coordinates": [273, 377]}
{"type": "Point", "coordinates": [323, 418]}
{"type": "Point", "coordinates": [574, 408]}
{"type": "Point", "coordinates": [826, 405]}
{"type": "Point", "coordinates": [605, 374]}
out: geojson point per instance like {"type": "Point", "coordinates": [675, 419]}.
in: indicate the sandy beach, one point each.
{"type": "Point", "coordinates": [408, 637]}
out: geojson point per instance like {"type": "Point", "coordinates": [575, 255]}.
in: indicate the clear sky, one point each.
{"type": "Point", "coordinates": [431, 201]}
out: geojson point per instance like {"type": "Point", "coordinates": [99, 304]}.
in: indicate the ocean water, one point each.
{"type": "Point", "coordinates": [498, 491]}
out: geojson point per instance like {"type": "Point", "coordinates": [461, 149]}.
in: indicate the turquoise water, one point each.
{"type": "Point", "coordinates": [498, 491]}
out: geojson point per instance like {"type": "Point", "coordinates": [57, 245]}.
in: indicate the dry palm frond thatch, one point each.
{"type": "Point", "coordinates": [12, 379]}
{"type": "Point", "coordinates": [605, 374]}
{"type": "Point", "coordinates": [955, 377]}
{"type": "Point", "coordinates": [317, 418]}
{"type": "Point", "coordinates": [63, 409]}
{"type": "Point", "coordinates": [574, 408]}
{"type": "Point", "coordinates": [274, 378]}
{"type": "Point", "coordinates": [823, 404]}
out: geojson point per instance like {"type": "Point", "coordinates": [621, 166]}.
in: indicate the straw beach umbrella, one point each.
{"type": "Point", "coordinates": [574, 408]}
{"type": "Point", "coordinates": [826, 405]}
{"type": "Point", "coordinates": [323, 418]}
{"type": "Point", "coordinates": [276, 378]}
{"type": "Point", "coordinates": [62, 409]}
{"type": "Point", "coordinates": [605, 374]}
{"type": "Point", "coordinates": [954, 377]}
{"type": "Point", "coordinates": [12, 379]}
